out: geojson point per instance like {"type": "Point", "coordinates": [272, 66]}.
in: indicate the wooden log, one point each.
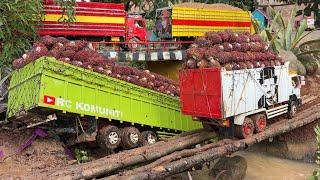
{"type": "Point", "coordinates": [124, 159]}
{"type": "Point", "coordinates": [169, 158]}
{"type": "Point", "coordinates": [164, 170]}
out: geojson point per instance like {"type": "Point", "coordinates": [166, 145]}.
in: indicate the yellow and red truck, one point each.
{"type": "Point", "coordinates": [182, 21]}
{"type": "Point", "coordinates": [110, 22]}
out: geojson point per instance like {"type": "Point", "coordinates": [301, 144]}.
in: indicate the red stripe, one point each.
{"type": "Point", "coordinates": [210, 23]}
{"type": "Point", "coordinates": [90, 14]}
{"type": "Point", "coordinates": [101, 5]}
{"type": "Point", "coordinates": [88, 11]}
{"type": "Point", "coordinates": [90, 8]}
{"type": "Point", "coordinates": [81, 23]}
{"type": "Point", "coordinates": [91, 4]}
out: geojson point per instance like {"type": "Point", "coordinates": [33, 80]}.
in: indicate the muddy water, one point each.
{"type": "Point", "coordinates": [261, 167]}
{"type": "Point", "coordinates": [266, 167]}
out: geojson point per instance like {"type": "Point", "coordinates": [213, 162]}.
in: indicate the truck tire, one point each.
{"type": "Point", "coordinates": [109, 137]}
{"type": "Point", "coordinates": [260, 122]}
{"type": "Point", "coordinates": [148, 138]}
{"type": "Point", "coordinates": [292, 109]}
{"type": "Point", "coordinates": [130, 137]}
{"type": "Point", "coordinates": [246, 129]}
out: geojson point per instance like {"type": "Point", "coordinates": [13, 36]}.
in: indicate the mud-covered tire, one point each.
{"type": "Point", "coordinates": [246, 129]}
{"type": "Point", "coordinates": [109, 137]}
{"type": "Point", "coordinates": [148, 138]}
{"type": "Point", "coordinates": [292, 109]}
{"type": "Point", "coordinates": [130, 137]}
{"type": "Point", "coordinates": [260, 122]}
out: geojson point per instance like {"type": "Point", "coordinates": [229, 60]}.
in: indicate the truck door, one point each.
{"type": "Point", "coordinates": [297, 82]}
{"type": "Point", "coordinates": [136, 28]}
{"type": "Point", "coordinates": [140, 29]}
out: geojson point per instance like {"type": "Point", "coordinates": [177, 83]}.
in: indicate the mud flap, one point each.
{"type": "Point", "coordinates": [228, 132]}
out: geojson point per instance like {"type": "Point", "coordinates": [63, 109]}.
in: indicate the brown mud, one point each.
{"type": "Point", "coordinates": [44, 153]}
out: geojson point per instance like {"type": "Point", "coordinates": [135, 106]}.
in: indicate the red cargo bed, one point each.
{"type": "Point", "coordinates": [91, 19]}
{"type": "Point", "coordinates": [201, 94]}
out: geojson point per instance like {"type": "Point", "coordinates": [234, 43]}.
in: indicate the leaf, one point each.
{"type": "Point", "coordinates": [256, 26]}
{"type": "Point", "coordinates": [302, 37]}
{"type": "Point", "coordinates": [288, 36]}
{"type": "Point", "coordinates": [277, 18]}
{"type": "Point", "coordinates": [301, 29]}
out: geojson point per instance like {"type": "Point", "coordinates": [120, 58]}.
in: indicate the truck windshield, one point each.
{"type": "Point", "coordinates": [139, 24]}
{"type": "Point", "coordinates": [296, 82]}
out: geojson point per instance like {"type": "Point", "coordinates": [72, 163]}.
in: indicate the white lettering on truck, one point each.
{"type": "Point", "coordinates": [88, 108]}
{"type": "Point", "coordinates": [65, 103]}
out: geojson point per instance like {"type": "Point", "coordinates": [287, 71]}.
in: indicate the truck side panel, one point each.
{"type": "Point", "coordinates": [192, 22]}
{"type": "Point", "coordinates": [251, 89]}
{"type": "Point", "coordinates": [200, 92]}
{"type": "Point", "coordinates": [240, 91]}
{"type": "Point", "coordinates": [91, 19]}
{"type": "Point", "coordinates": [75, 90]}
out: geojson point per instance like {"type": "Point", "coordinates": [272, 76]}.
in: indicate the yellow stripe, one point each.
{"type": "Point", "coordinates": [241, 12]}
{"type": "Point", "coordinates": [88, 19]}
{"type": "Point", "coordinates": [207, 14]}
{"type": "Point", "coordinates": [188, 31]}
{"type": "Point", "coordinates": [217, 19]}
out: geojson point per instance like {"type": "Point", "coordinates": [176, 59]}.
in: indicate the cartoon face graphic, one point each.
{"type": "Point", "coordinates": [268, 82]}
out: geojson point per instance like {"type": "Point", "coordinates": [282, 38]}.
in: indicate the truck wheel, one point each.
{"type": "Point", "coordinates": [246, 129]}
{"type": "Point", "coordinates": [260, 122]}
{"type": "Point", "coordinates": [148, 138]}
{"type": "Point", "coordinates": [292, 109]}
{"type": "Point", "coordinates": [109, 137]}
{"type": "Point", "coordinates": [130, 137]}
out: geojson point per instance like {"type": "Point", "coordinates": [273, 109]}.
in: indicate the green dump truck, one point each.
{"type": "Point", "coordinates": [88, 106]}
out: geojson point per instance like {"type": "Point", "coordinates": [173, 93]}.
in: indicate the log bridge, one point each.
{"type": "Point", "coordinates": [177, 154]}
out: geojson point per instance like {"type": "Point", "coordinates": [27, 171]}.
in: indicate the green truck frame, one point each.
{"type": "Point", "coordinates": [48, 86]}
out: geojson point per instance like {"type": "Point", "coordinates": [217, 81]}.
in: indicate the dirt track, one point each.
{"type": "Point", "coordinates": [43, 154]}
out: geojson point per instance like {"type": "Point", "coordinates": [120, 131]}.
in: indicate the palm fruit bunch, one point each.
{"type": "Point", "coordinates": [231, 50]}
{"type": "Point", "coordinates": [79, 54]}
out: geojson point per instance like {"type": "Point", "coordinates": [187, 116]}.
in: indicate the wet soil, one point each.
{"type": "Point", "coordinates": [44, 153]}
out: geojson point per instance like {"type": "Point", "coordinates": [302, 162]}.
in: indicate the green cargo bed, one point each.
{"type": "Point", "coordinates": [48, 84]}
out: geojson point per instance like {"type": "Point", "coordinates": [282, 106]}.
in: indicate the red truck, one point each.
{"type": "Point", "coordinates": [109, 22]}
{"type": "Point", "coordinates": [241, 101]}
{"type": "Point", "coordinates": [105, 21]}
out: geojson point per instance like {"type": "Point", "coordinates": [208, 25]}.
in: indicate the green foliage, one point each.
{"type": "Point", "coordinates": [81, 155]}
{"type": "Point", "coordinates": [142, 65]}
{"type": "Point", "coordinates": [150, 25]}
{"type": "Point", "coordinates": [316, 173]}
{"type": "Point", "coordinates": [280, 33]}
{"type": "Point", "coordinates": [68, 10]}
{"type": "Point", "coordinates": [18, 22]}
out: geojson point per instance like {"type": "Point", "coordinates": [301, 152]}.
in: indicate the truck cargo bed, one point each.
{"type": "Point", "coordinates": [217, 93]}
{"type": "Point", "coordinates": [48, 84]}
